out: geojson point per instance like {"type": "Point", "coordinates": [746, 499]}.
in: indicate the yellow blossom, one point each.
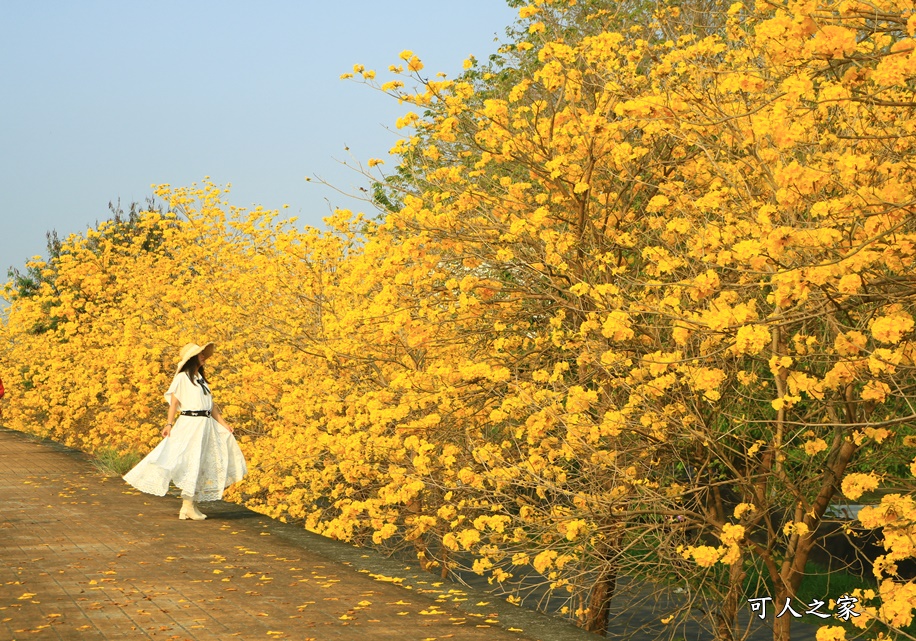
{"type": "Point", "coordinates": [856, 484]}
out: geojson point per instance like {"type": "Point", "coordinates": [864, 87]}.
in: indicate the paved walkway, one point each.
{"type": "Point", "coordinates": [82, 556]}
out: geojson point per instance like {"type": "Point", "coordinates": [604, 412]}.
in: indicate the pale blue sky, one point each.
{"type": "Point", "coordinates": [101, 99]}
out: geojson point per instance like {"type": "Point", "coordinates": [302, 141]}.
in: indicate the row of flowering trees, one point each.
{"type": "Point", "coordinates": [641, 305]}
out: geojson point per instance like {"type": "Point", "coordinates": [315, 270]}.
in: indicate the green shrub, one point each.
{"type": "Point", "coordinates": [112, 462]}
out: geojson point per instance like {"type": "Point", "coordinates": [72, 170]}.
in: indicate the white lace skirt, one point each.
{"type": "Point", "coordinates": [200, 457]}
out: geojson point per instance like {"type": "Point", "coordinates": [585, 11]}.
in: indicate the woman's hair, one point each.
{"type": "Point", "coordinates": [192, 364]}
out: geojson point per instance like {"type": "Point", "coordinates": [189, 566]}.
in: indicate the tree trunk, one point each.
{"type": "Point", "coordinates": [725, 620]}
{"type": "Point", "coordinates": [594, 618]}
{"type": "Point", "coordinates": [781, 631]}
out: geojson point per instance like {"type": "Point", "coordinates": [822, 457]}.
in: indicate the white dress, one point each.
{"type": "Point", "coordinates": [199, 456]}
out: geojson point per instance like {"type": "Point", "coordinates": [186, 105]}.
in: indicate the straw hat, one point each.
{"type": "Point", "coordinates": [190, 350]}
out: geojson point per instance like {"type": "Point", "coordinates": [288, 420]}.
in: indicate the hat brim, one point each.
{"type": "Point", "coordinates": [206, 349]}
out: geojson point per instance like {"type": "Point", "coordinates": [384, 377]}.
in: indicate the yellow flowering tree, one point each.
{"type": "Point", "coordinates": [639, 304]}
{"type": "Point", "coordinates": [693, 255]}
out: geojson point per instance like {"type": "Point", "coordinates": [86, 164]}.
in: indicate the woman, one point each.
{"type": "Point", "coordinates": [198, 452]}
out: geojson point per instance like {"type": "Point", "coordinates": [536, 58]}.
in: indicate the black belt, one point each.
{"type": "Point", "coordinates": [195, 413]}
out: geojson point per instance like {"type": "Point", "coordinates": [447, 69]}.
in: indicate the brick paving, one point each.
{"type": "Point", "coordinates": [83, 556]}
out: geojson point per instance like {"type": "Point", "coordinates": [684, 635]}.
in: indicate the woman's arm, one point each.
{"type": "Point", "coordinates": [173, 410]}
{"type": "Point", "coordinates": [219, 417]}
